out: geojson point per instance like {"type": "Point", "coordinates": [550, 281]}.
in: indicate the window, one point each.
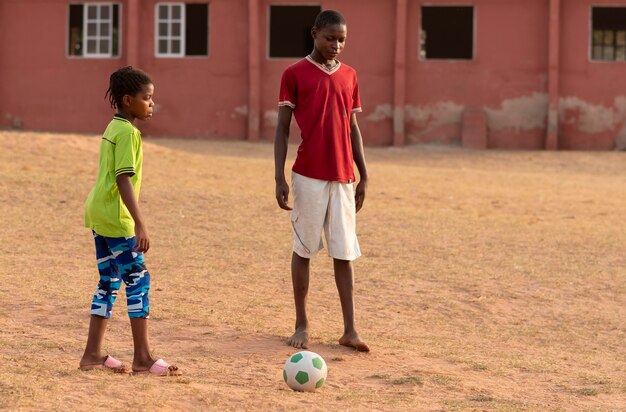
{"type": "Point", "coordinates": [290, 30]}
{"type": "Point", "coordinates": [182, 29]}
{"type": "Point", "coordinates": [93, 30]}
{"type": "Point", "coordinates": [608, 35]}
{"type": "Point", "coordinates": [447, 32]}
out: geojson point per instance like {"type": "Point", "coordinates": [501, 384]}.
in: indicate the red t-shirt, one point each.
{"type": "Point", "coordinates": [322, 101]}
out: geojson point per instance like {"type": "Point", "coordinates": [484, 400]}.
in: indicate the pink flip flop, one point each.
{"type": "Point", "coordinates": [110, 363]}
{"type": "Point", "coordinates": [160, 368]}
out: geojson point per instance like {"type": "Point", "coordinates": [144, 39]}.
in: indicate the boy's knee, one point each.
{"type": "Point", "coordinates": [101, 310]}
{"type": "Point", "coordinates": [139, 315]}
{"type": "Point", "coordinates": [298, 256]}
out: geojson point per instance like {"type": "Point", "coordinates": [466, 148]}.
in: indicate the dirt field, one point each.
{"type": "Point", "coordinates": [490, 281]}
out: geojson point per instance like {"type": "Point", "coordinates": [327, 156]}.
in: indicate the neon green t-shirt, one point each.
{"type": "Point", "coordinates": [120, 152]}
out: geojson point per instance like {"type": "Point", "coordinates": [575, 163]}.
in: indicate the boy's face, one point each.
{"type": "Point", "coordinates": [140, 106]}
{"type": "Point", "coordinates": [329, 41]}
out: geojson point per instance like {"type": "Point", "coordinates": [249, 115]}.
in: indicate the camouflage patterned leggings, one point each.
{"type": "Point", "coordinates": [118, 262]}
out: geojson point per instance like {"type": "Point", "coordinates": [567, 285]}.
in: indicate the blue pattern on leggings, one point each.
{"type": "Point", "coordinates": [117, 263]}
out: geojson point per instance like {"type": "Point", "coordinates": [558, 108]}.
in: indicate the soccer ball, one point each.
{"type": "Point", "coordinates": [305, 371]}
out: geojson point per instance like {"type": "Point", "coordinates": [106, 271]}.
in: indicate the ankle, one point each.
{"type": "Point", "coordinates": [350, 332]}
{"type": "Point", "coordinates": [142, 357]}
{"type": "Point", "coordinates": [90, 357]}
{"type": "Point", "coordinates": [93, 353]}
{"type": "Point", "coordinates": [143, 363]}
{"type": "Point", "coordinates": [302, 326]}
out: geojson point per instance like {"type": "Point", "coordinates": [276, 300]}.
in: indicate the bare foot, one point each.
{"type": "Point", "coordinates": [352, 340]}
{"type": "Point", "coordinates": [300, 339]}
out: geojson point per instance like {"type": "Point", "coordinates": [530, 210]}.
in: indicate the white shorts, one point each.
{"type": "Point", "coordinates": [328, 205]}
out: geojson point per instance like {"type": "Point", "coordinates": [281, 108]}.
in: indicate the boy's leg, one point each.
{"type": "Point", "coordinates": [310, 200]}
{"type": "Point", "coordinates": [142, 359]}
{"type": "Point", "coordinates": [310, 205]}
{"type": "Point", "coordinates": [344, 278]}
{"type": "Point", "coordinates": [343, 246]}
{"type": "Point", "coordinates": [101, 305]}
{"type": "Point", "coordinates": [300, 280]}
{"type": "Point", "coordinates": [137, 279]}
{"type": "Point", "coordinates": [93, 355]}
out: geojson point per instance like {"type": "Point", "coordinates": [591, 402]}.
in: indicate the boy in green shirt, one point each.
{"type": "Point", "coordinates": [112, 213]}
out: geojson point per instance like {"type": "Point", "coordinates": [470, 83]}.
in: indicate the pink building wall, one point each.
{"type": "Point", "coordinates": [201, 96]}
{"type": "Point", "coordinates": [507, 79]}
{"type": "Point", "coordinates": [40, 88]}
{"type": "Point", "coordinates": [530, 57]}
{"type": "Point", "coordinates": [592, 109]}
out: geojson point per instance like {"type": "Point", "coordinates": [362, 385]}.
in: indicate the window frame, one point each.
{"type": "Point", "coordinates": [183, 30]}
{"type": "Point", "coordinates": [84, 36]}
{"type": "Point", "coordinates": [269, 27]}
{"type": "Point", "coordinates": [590, 44]}
{"type": "Point", "coordinates": [474, 32]}
{"type": "Point", "coordinates": [169, 37]}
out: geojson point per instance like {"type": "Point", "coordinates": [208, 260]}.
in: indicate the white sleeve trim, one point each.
{"type": "Point", "coordinates": [357, 110]}
{"type": "Point", "coordinates": [286, 103]}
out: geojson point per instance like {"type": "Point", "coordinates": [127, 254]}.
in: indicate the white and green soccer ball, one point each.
{"type": "Point", "coordinates": [305, 371]}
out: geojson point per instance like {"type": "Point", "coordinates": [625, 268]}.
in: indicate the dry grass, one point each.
{"type": "Point", "coordinates": [490, 281]}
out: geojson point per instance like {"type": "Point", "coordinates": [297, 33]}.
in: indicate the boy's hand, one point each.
{"type": "Point", "coordinates": [142, 240]}
{"type": "Point", "coordinates": [282, 194]}
{"type": "Point", "coordinates": [359, 196]}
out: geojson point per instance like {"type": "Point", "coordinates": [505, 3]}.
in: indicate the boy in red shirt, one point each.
{"type": "Point", "coordinates": [323, 95]}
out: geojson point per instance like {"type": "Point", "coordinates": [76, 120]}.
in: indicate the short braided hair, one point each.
{"type": "Point", "coordinates": [328, 18]}
{"type": "Point", "coordinates": [125, 81]}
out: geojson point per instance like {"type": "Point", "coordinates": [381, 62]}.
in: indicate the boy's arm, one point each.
{"type": "Point", "coordinates": [129, 198]}
{"type": "Point", "coordinates": [359, 159]}
{"type": "Point", "coordinates": [280, 155]}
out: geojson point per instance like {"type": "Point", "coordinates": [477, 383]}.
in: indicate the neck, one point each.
{"type": "Point", "coordinates": [126, 116]}
{"type": "Point", "coordinates": [317, 57]}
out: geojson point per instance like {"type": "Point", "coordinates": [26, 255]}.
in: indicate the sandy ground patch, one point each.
{"type": "Point", "coordinates": [490, 280]}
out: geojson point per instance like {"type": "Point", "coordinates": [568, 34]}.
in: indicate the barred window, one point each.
{"type": "Point", "coordinates": [608, 36]}
{"type": "Point", "coordinates": [182, 29]}
{"type": "Point", "coordinates": [93, 30]}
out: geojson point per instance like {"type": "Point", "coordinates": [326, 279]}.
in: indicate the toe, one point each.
{"type": "Point", "coordinates": [362, 347]}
